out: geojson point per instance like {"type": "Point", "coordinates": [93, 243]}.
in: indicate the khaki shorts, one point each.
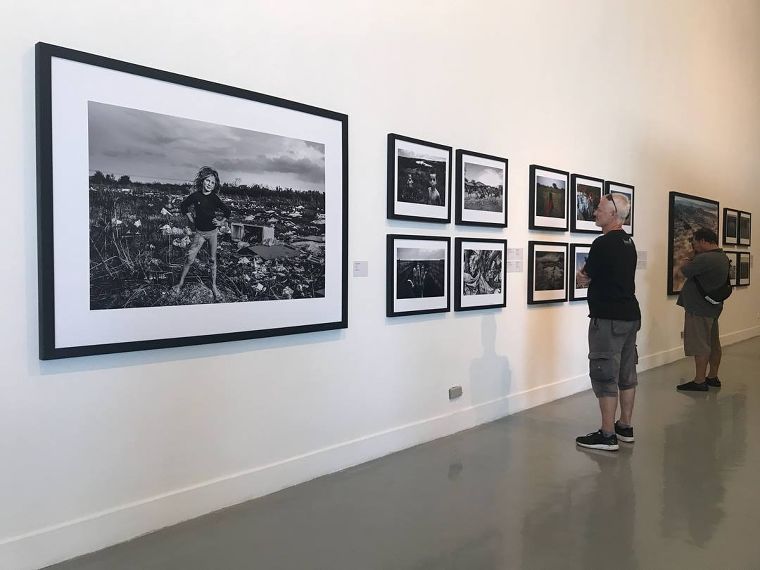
{"type": "Point", "coordinates": [701, 336]}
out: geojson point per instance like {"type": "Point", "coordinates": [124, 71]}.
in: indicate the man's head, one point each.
{"type": "Point", "coordinates": [612, 211]}
{"type": "Point", "coordinates": [704, 239]}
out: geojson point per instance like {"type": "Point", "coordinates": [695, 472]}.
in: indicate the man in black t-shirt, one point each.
{"type": "Point", "coordinates": [615, 320]}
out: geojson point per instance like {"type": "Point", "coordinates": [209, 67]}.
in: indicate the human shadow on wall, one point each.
{"type": "Point", "coordinates": [490, 374]}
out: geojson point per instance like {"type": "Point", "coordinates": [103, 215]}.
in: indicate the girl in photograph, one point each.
{"type": "Point", "coordinates": [201, 207]}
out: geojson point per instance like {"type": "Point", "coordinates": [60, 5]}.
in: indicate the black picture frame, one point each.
{"type": "Point", "coordinates": [577, 293]}
{"type": "Point", "coordinates": [733, 274]}
{"type": "Point", "coordinates": [745, 222]}
{"type": "Point", "coordinates": [419, 162]}
{"type": "Point", "coordinates": [539, 293]}
{"type": "Point", "coordinates": [490, 168]}
{"type": "Point", "coordinates": [583, 205]}
{"type": "Point", "coordinates": [72, 85]}
{"type": "Point", "coordinates": [543, 199]}
{"type": "Point", "coordinates": [730, 226]}
{"type": "Point", "coordinates": [686, 213]}
{"type": "Point", "coordinates": [473, 293]}
{"type": "Point", "coordinates": [629, 191]}
{"type": "Point", "coordinates": [743, 269]}
{"type": "Point", "coordinates": [412, 282]}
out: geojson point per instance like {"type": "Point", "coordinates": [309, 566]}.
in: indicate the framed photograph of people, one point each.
{"type": "Point", "coordinates": [419, 180]}
{"type": "Point", "coordinates": [587, 192]}
{"type": "Point", "coordinates": [733, 274]}
{"type": "Point", "coordinates": [417, 273]}
{"type": "Point", "coordinates": [745, 228]}
{"type": "Point", "coordinates": [578, 257]}
{"type": "Point", "coordinates": [481, 189]}
{"type": "Point", "coordinates": [480, 273]}
{"type": "Point", "coordinates": [730, 226]}
{"type": "Point", "coordinates": [627, 191]}
{"type": "Point", "coordinates": [547, 272]}
{"type": "Point", "coordinates": [686, 214]}
{"type": "Point", "coordinates": [176, 211]}
{"type": "Point", "coordinates": [743, 268]}
{"type": "Point", "coordinates": [548, 199]}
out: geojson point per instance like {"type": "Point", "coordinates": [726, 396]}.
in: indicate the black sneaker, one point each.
{"type": "Point", "coordinates": [624, 434]}
{"type": "Point", "coordinates": [597, 440]}
{"type": "Point", "coordinates": [713, 382]}
{"type": "Point", "coordinates": [692, 386]}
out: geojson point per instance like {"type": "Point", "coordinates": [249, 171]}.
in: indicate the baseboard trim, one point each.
{"type": "Point", "coordinates": [79, 536]}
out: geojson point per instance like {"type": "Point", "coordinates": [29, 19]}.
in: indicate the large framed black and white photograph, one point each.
{"type": "Point", "coordinates": [578, 256]}
{"type": "Point", "coordinates": [480, 273]}
{"type": "Point", "coordinates": [175, 211]}
{"type": "Point", "coordinates": [417, 274]}
{"type": "Point", "coordinates": [587, 192]}
{"type": "Point", "coordinates": [547, 272]}
{"type": "Point", "coordinates": [733, 274]}
{"type": "Point", "coordinates": [419, 180]}
{"type": "Point", "coordinates": [730, 226]}
{"type": "Point", "coordinates": [548, 199]}
{"type": "Point", "coordinates": [686, 214]}
{"type": "Point", "coordinates": [743, 269]}
{"type": "Point", "coordinates": [745, 228]}
{"type": "Point", "coordinates": [481, 189]}
{"type": "Point", "coordinates": [628, 191]}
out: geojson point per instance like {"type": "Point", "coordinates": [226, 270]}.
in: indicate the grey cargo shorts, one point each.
{"type": "Point", "coordinates": [612, 355]}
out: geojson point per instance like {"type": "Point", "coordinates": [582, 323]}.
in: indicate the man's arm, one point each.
{"type": "Point", "coordinates": [695, 266]}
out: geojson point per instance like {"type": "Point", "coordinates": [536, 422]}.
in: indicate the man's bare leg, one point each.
{"type": "Point", "coordinates": [627, 398]}
{"type": "Point", "coordinates": [700, 365]}
{"type": "Point", "coordinates": [608, 407]}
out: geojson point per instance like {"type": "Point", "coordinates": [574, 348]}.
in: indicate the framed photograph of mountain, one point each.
{"type": "Point", "coordinates": [480, 273]}
{"type": "Point", "coordinates": [481, 189]}
{"type": "Point", "coordinates": [419, 180]}
{"type": "Point", "coordinates": [548, 199]}
{"type": "Point", "coordinates": [417, 274]}
{"type": "Point", "coordinates": [686, 214]}
{"type": "Point", "coordinates": [547, 272]}
{"type": "Point", "coordinates": [176, 211]}
{"type": "Point", "coordinates": [627, 191]}
{"type": "Point", "coordinates": [587, 192]}
{"type": "Point", "coordinates": [578, 257]}
{"type": "Point", "coordinates": [745, 228]}
{"type": "Point", "coordinates": [730, 226]}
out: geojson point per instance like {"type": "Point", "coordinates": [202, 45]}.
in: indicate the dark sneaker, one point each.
{"type": "Point", "coordinates": [597, 440]}
{"type": "Point", "coordinates": [713, 382]}
{"type": "Point", "coordinates": [624, 434]}
{"type": "Point", "coordinates": [692, 386]}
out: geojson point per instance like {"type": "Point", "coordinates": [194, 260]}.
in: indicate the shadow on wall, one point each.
{"type": "Point", "coordinates": [490, 374]}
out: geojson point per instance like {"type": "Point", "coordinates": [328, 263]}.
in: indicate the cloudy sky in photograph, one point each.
{"type": "Point", "coordinates": [420, 254]}
{"type": "Point", "coordinates": [150, 147]}
{"type": "Point", "coordinates": [488, 175]}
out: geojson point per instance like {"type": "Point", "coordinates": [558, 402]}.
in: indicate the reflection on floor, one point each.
{"type": "Point", "coordinates": [515, 493]}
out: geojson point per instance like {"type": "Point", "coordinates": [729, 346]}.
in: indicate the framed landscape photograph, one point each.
{"type": "Point", "coordinates": [730, 226]}
{"type": "Point", "coordinates": [733, 274]}
{"type": "Point", "coordinates": [578, 257]}
{"type": "Point", "coordinates": [548, 199]}
{"type": "Point", "coordinates": [686, 214]}
{"type": "Point", "coordinates": [745, 228]}
{"type": "Point", "coordinates": [587, 192]}
{"type": "Point", "coordinates": [547, 272]}
{"type": "Point", "coordinates": [419, 180]}
{"type": "Point", "coordinates": [176, 211]}
{"type": "Point", "coordinates": [417, 273]}
{"type": "Point", "coordinates": [627, 191]}
{"type": "Point", "coordinates": [480, 275]}
{"type": "Point", "coordinates": [481, 189]}
{"type": "Point", "coordinates": [743, 268]}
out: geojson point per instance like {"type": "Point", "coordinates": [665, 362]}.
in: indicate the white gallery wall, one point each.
{"type": "Point", "coordinates": [664, 95]}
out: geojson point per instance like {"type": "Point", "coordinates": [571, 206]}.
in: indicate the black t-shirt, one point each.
{"type": "Point", "coordinates": [611, 265]}
{"type": "Point", "coordinates": [205, 207]}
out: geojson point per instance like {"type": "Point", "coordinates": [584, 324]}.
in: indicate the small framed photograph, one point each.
{"type": "Point", "coordinates": [417, 273]}
{"type": "Point", "coordinates": [419, 180]}
{"type": "Point", "coordinates": [730, 226]}
{"type": "Point", "coordinates": [548, 199]}
{"type": "Point", "coordinates": [547, 272]}
{"type": "Point", "coordinates": [480, 273]}
{"type": "Point", "coordinates": [743, 269]}
{"type": "Point", "coordinates": [627, 191]}
{"type": "Point", "coordinates": [745, 228]}
{"type": "Point", "coordinates": [578, 257]}
{"type": "Point", "coordinates": [587, 192]}
{"type": "Point", "coordinates": [733, 274]}
{"type": "Point", "coordinates": [482, 197]}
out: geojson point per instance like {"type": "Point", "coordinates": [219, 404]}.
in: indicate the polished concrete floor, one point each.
{"type": "Point", "coordinates": [515, 493]}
